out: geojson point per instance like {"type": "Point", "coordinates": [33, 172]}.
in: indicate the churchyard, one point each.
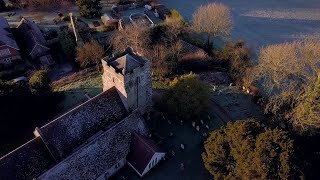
{"type": "Point", "coordinates": [184, 143]}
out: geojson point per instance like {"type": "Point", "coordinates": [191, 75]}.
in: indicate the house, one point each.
{"type": "Point", "coordinates": [33, 43]}
{"type": "Point", "coordinates": [9, 50]}
{"type": "Point", "coordinates": [97, 138]}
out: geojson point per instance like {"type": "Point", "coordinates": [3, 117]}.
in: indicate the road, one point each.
{"type": "Point", "coordinates": [261, 22]}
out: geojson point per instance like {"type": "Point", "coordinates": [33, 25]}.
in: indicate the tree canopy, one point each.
{"type": "Point", "coordinates": [247, 150]}
{"type": "Point", "coordinates": [289, 74]}
{"type": "Point", "coordinates": [187, 97]}
{"type": "Point", "coordinates": [89, 8]}
{"type": "Point", "coordinates": [214, 19]}
{"type": "Point", "coordinates": [40, 81]}
{"type": "Point", "coordinates": [90, 54]}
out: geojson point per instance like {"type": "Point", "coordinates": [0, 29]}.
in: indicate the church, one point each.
{"type": "Point", "coordinates": [97, 138]}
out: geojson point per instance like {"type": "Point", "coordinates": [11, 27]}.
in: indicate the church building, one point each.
{"type": "Point", "coordinates": [97, 138]}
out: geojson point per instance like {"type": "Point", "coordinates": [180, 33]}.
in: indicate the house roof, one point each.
{"type": "Point", "coordinates": [142, 150]}
{"type": "Point", "coordinates": [6, 37]}
{"type": "Point", "coordinates": [100, 154]}
{"type": "Point", "coordinates": [26, 162]}
{"type": "Point", "coordinates": [126, 61]}
{"type": "Point", "coordinates": [30, 35]}
{"type": "Point", "coordinates": [75, 127]}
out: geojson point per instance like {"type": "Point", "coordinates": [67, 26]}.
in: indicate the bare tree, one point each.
{"type": "Point", "coordinates": [290, 75]}
{"type": "Point", "coordinates": [89, 54]}
{"type": "Point", "coordinates": [131, 36]}
{"type": "Point", "coordinates": [214, 19]}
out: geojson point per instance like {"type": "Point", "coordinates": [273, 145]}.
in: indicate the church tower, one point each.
{"type": "Point", "coordinates": [130, 74]}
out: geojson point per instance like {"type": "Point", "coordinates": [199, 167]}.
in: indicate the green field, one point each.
{"type": "Point", "coordinates": [74, 92]}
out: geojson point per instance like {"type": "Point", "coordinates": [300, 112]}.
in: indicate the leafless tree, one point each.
{"type": "Point", "coordinates": [290, 75]}
{"type": "Point", "coordinates": [131, 36]}
{"type": "Point", "coordinates": [89, 54]}
{"type": "Point", "coordinates": [214, 19]}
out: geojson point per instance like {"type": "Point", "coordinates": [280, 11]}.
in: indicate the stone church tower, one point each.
{"type": "Point", "coordinates": [130, 74]}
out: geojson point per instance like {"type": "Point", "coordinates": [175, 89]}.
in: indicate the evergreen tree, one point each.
{"type": "Point", "coordinates": [89, 8]}
{"type": "Point", "coordinates": [247, 150]}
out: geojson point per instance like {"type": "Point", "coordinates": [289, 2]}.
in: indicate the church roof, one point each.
{"type": "Point", "coordinates": [126, 61]}
{"type": "Point", "coordinates": [75, 127]}
{"type": "Point", "coordinates": [65, 135]}
{"type": "Point", "coordinates": [26, 162]}
{"type": "Point", "coordinates": [30, 35]}
{"type": "Point", "coordinates": [100, 154]}
{"type": "Point", "coordinates": [142, 150]}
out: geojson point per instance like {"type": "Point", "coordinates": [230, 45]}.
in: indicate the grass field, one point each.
{"type": "Point", "coordinates": [74, 92]}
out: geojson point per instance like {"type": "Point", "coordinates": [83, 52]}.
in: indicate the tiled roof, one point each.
{"type": "Point", "coordinates": [30, 35]}
{"type": "Point", "coordinates": [75, 127]}
{"type": "Point", "coordinates": [142, 150]}
{"type": "Point", "coordinates": [26, 162]}
{"type": "Point", "coordinates": [6, 37]}
{"type": "Point", "coordinates": [100, 154]}
{"type": "Point", "coordinates": [126, 61]}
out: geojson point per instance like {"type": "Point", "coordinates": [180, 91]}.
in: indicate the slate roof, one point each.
{"type": "Point", "coordinates": [30, 35]}
{"type": "Point", "coordinates": [142, 150]}
{"type": "Point", "coordinates": [75, 127]}
{"type": "Point", "coordinates": [100, 154]}
{"type": "Point", "coordinates": [126, 61]}
{"type": "Point", "coordinates": [6, 37]}
{"type": "Point", "coordinates": [26, 162]}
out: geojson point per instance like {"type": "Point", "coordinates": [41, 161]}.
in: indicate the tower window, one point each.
{"type": "Point", "coordinates": [113, 80]}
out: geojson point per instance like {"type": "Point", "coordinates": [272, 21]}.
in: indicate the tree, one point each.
{"type": "Point", "coordinates": [247, 150]}
{"type": "Point", "coordinates": [187, 97]}
{"type": "Point", "coordinates": [175, 24]}
{"type": "Point", "coordinates": [40, 81]}
{"type": "Point", "coordinates": [238, 56]}
{"type": "Point", "coordinates": [133, 36]}
{"type": "Point", "coordinates": [288, 72]}
{"type": "Point", "coordinates": [90, 54]}
{"type": "Point", "coordinates": [67, 43]}
{"type": "Point", "coordinates": [89, 8]}
{"type": "Point", "coordinates": [213, 19]}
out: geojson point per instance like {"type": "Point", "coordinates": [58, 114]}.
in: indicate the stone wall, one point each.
{"type": "Point", "coordinates": [135, 89]}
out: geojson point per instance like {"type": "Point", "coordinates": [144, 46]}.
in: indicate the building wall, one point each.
{"type": "Point", "coordinates": [157, 157]}
{"type": "Point", "coordinates": [12, 55]}
{"type": "Point", "coordinates": [135, 88]}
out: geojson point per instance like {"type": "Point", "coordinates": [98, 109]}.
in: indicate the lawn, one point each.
{"type": "Point", "coordinates": [235, 102]}
{"type": "Point", "coordinates": [74, 92]}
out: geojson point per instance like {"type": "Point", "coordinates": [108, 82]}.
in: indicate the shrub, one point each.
{"type": "Point", "coordinates": [40, 81]}
{"type": "Point", "coordinates": [238, 56]}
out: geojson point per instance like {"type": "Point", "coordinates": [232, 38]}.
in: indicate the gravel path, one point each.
{"type": "Point", "coordinates": [261, 22]}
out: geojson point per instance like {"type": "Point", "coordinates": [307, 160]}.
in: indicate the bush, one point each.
{"type": "Point", "coordinates": [40, 81]}
{"type": "Point", "coordinates": [195, 60]}
{"type": "Point", "coordinates": [238, 56]}
{"type": "Point", "coordinates": [187, 97]}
